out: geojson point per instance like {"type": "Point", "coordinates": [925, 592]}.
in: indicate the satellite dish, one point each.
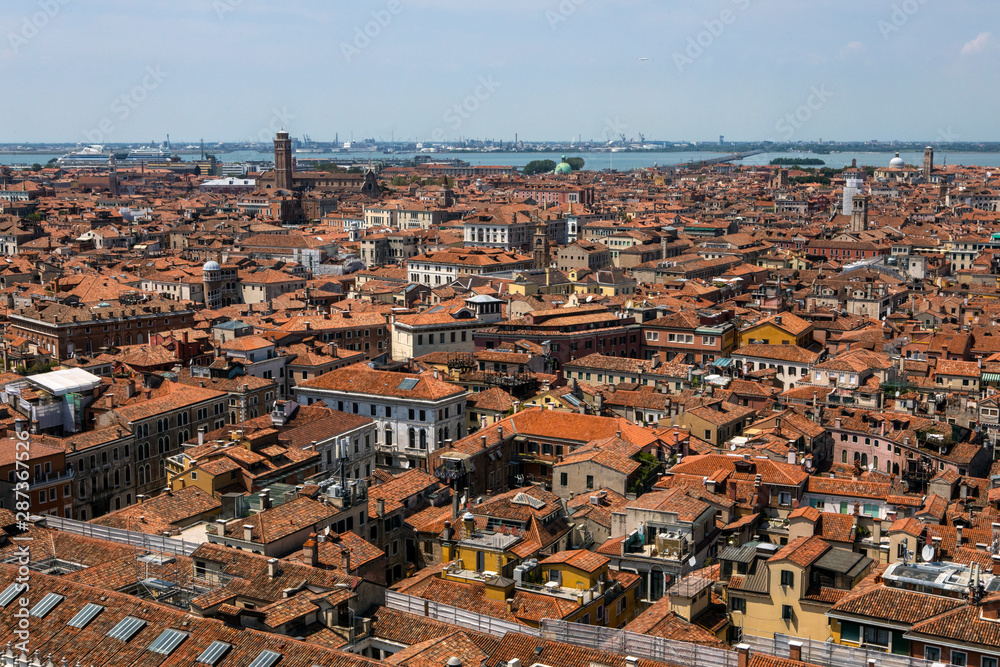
{"type": "Point", "coordinates": [927, 553]}
{"type": "Point", "coordinates": [732, 448]}
{"type": "Point", "coordinates": [692, 561]}
{"type": "Point", "coordinates": [327, 531]}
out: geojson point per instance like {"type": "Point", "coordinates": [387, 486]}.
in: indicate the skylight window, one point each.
{"type": "Point", "coordinates": [10, 593]}
{"type": "Point", "coordinates": [266, 659]}
{"type": "Point", "coordinates": [408, 384]}
{"type": "Point", "coordinates": [85, 615]}
{"type": "Point", "coordinates": [168, 641]}
{"type": "Point", "coordinates": [127, 628]}
{"type": "Point", "coordinates": [46, 605]}
{"type": "Point", "coordinates": [214, 653]}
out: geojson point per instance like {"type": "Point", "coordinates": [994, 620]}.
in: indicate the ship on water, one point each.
{"type": "Point", "coordinates": [94, 155]}
{"type": "Point", "coordinates": [98, 155]}
{"type": "Point", "coordinates": [159, 153]}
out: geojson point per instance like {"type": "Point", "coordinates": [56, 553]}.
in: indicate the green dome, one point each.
{"type": "Point", "coordinates": [563, 167]}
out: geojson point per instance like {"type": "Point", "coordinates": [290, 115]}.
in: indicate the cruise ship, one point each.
{"type": "Point", "coordinates": [94, 155]}
{"type": "Point", "coordinates": [149, 154]}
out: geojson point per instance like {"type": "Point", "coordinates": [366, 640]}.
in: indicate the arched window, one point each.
{"type": "Point", "coordinates": [117, 479]}
{"type": "Point", "coordinates": [138, 338]}
{"type": "Point", "coordinates": [412, 437]}
{"type": "Point", "coordinates": [388, 436]}
{"type": "Point", "coordinates": [128, 477]}
{"type": "Point", "coordinates": [142, 475]}
{"type": "Point", "coordinates": [423, 438]}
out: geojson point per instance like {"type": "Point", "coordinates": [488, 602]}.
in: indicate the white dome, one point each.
{"type": "Point", "coordinates": [211, 265]}
{"type": "Point", "coordinates": [896, 162]}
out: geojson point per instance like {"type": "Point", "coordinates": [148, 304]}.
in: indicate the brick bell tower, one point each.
{"type": "Point", "coordinates": [540, 247]}
{"type": "Point", "coordinates": [283, 161]}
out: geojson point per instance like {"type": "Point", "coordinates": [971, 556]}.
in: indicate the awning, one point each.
{"type": "Point", "coordinates": [990, 377]}
{"type": "Point", "coordinates": [726, 361]}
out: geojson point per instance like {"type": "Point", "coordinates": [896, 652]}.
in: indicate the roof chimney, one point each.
{"type": "Point", "coordinates": [248, 532]}
{"type": "Point", "coordinates": [743, 651]}
{"type": "Point", "coordinates": [311, 550]}
{"type": "Point", "coordinates": [272, 567]}
{"type": "Point", "coordinates": [345, 560]}
{"type": "Point", "coordinates": [795, 651]}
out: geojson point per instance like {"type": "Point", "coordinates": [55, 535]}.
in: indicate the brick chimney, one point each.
{"type": "Point", "coordinates": [345, 560]}
{"type": "Point", "coordinates": [795, 651]}
{"type": "Point", "coordinates": [311, 550]}
{"type": "Point", "coordinates": [743, 651]}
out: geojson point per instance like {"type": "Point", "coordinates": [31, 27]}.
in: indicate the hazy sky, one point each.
{"type": "Point", "coordinates": [127, 71]}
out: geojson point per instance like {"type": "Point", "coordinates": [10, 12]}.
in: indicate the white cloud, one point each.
{"type": "Point", "coordinates": [851, 49]}
{"type": "Point", "coordinates": [976, 45]}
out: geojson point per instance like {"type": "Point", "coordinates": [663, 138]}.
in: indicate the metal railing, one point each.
{"type": "Point", "coordinates": [649, 647]}
{"type": "Point", "coordinates": [150, 542]}
{"type": "Point", "coordinates": [829, 654]}
{"type": "Point", "coordinates": [449, 614]}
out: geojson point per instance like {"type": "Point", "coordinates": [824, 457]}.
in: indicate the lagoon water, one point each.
{"type": "Point", "coordinates": [622, 161]}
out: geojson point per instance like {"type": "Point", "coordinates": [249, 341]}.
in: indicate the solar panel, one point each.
{"type": "Point", "coordinates": [214, 653]}
{"type": "Point", "coordinates": [168, 641]}
{"type": "Point", "coordinates": [127, 628]}
{"type": "Point", "coordinates": [46, 605]}
{"type": "Point", "coordinates": [408, 384]}
{"type": "Point", "coordinates": [85, 615]}
{"type": "Point", "coordinates": [10, 593]}
{"type": "Point", "coordinates": [266, 659]}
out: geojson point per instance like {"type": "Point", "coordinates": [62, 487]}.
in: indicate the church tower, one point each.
{"type": "Point", "coordinates": [113, 177]}
{"type": "Point", "coordinates": [928, 164]}
{"type": "Point", "coordinates": [540, 247]}
{"type": "Point", "coordinates": [283, 161]}
{"type": "Point", "coordinates": [859, 214]}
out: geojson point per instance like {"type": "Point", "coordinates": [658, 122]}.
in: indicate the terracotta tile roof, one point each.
{"type": "Point", "coordinates": [787, 353]}
{"type": "Point", "coordinates": [162, 512]}
{"type": "Point", "coordinates": [803, 551]}
{"type": "Point", "coordinates": [659, 621]}
{"type": "Point", "coordinates": [581, 559]}
{"type": "Point", "coordinates": [362, 379]}
{"type": "Point", "coordinates": [92, 645]}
